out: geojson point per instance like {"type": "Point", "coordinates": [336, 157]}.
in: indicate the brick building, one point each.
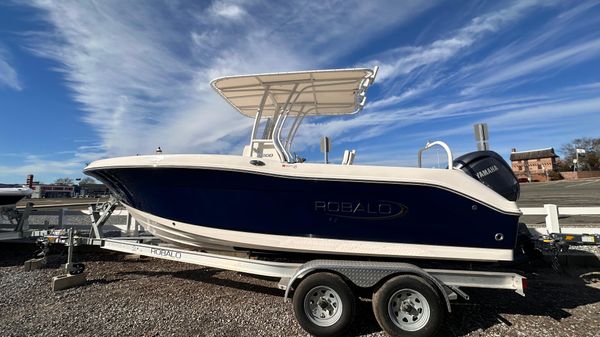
{"type": "Point", "coordinates": [52, 191]}
{"type": "Point", "coordinates": [92, 190]}
{"type": "Point", "coordinates": [526, 164]}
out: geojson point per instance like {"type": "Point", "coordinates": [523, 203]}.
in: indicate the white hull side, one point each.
{"type": "Point", "coordinates": [201, 237]}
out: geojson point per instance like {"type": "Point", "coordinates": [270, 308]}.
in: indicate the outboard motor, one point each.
{"type": "Point", "coordinates": [491, 170]}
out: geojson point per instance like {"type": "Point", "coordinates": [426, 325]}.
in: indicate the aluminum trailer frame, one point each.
{"type": "Point", "coordinates": [372, 276]}
{"type": "Point", "coordinates": [363, 274]}
{"type": "Point", "coordinates": [19, 229]}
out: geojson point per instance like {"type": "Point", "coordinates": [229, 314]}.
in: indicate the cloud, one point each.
{"type": "Point", "coordinates": [406, 95]}
{"type": "Point", "coordinates": [49, 166]}
{"type": "Point", "coordinates": [227, 10]}
{"type": "Point", "coordinates": [42, 167]}
{"type": "Point", "coordinates": [539, 52]}
{"type": "Point", "coordinates": [404, 60]}
{"type": "Point", "coordinates": [127, 67]}
{"type": "Point", "coordinates": [551, 61]}
{"type": "Point", "coordinates": [8, 75]}
{"type": "Point", "coordinates": [140, 72]}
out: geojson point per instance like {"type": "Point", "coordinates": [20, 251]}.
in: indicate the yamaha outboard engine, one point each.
{"type": "Point", "coordinates": [491, 170]}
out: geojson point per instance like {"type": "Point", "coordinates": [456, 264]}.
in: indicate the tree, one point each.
{"type": "Point", "coordinates": [588, 161]}
{"type": "Point", "coordinates": [564, 165]}
{"type": "Point", "coordinates": [64, 181]}
{"type": "Point", "coordinates": [87, 180]}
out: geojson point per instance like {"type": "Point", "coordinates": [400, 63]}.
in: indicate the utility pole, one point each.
{"type": "Point", "coordinates": [482, 136]}
{"type": "Point", "coordinates": [577, 152]}
{"type": "Point", "coordinates": [326, 147]}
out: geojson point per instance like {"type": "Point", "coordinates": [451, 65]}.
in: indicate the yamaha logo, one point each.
{"type": "Point", "coordinates": [485, 172]}
{"type": "Point", "coordinates": [378, 210]}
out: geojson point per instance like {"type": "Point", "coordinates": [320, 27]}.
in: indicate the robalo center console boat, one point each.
{"type": "Point", "coordinates": [269, 199]}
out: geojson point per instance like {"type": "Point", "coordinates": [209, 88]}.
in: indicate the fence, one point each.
{"type": "Point", "coordinates": [553, 212]}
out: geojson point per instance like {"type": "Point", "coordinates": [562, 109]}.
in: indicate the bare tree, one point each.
{"type": "Point", "coordinates": [87, 180]}
{"type": "Point", "coordinates": [64, 181]}
{"type": "Point", "coordinates": [590, 160]}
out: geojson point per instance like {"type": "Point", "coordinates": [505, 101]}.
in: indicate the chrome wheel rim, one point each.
{"type": "Point", "coordinates": [409, 310]}
{"type": "Point", "coordinates": [323, 306]}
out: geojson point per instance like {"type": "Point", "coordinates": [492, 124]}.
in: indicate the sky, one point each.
{"type": "Point", "coordinates": [84, 80]}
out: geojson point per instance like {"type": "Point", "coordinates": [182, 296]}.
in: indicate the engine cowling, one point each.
{"type": "Point", "coordinates": [491, 170]}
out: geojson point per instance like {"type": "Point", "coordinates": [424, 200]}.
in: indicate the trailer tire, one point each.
{"type": "Point", "coordinates": [407, 305]}
{"type": "Point", "coordinates": [324, 305]}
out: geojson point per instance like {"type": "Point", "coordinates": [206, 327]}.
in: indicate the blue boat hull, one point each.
{"type": "Point", "coordinates": [345, 210]}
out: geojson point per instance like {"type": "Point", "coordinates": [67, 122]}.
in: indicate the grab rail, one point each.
{"type": "Point", "coordinates": [439, 143]}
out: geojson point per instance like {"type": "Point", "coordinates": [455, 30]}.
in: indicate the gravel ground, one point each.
{"type": "Point", "coordinates": [149, 297]}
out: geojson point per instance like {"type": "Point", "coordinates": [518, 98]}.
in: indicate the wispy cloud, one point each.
{"type": "Point", "coordinates": [227, 10]}
{"type": "Point", "coordinates": [8, 75]}
{"type": "Point", "coordinates": [129, 68]}
{"type": "Point", "coordinates": [43, 167]}
{"type": "Point", "coordinates": [548, 62]}
{"type": "Point", "coordinates": [562, 41]}
{"type": "Point", "coordinates": [404, 60]}
{"type": "Point", "coordinates": [141, 72]}
{"type": "Point", "coordinates": [14, 167]}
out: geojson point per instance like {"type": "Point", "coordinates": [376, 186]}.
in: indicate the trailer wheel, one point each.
{"type": "Point", "coordinates": [324, 305]}
{"type": "Point", "coordinates": [407, 305]}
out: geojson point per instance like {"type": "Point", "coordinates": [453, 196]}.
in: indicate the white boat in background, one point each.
{"type": "Point", "coordinates": [10, 195]}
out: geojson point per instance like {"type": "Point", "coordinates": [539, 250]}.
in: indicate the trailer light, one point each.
{"type": "Point", "coordinates": [588, 239]}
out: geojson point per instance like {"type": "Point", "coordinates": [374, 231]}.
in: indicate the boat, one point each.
{"type": "Point", "coordinates": [269, 199]}
{"type": "Point", "coordinates": [10, 195]}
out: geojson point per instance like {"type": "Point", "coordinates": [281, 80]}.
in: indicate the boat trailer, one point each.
{"type": "Point", "coordinates": [336, 280]}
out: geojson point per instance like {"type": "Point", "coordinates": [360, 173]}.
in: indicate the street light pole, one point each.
{"type": "Point", "coordinates": [577, 152]}
{"type": "Point", "coordinates": [326, 147]}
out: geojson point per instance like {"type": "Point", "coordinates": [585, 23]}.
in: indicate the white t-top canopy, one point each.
{"type": "Point", "coordinates": [310, 93]}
